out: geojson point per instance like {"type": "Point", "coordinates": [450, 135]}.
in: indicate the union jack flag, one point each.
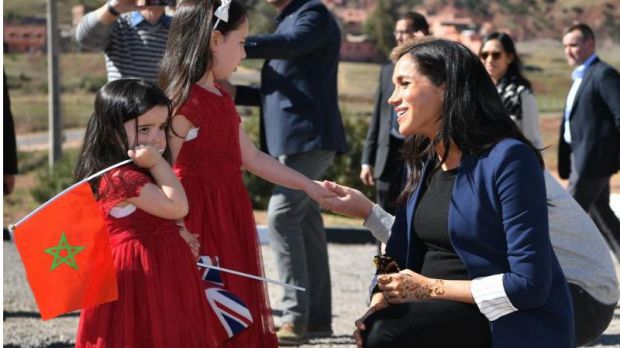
{"type": "Point", "coordinates": [230, 310]}
{"type": "Point", "coordinates": [226, 308]}
{"type": "Point", "coordinates": [211, 275]}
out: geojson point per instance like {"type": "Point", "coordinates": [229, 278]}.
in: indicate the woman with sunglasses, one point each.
{"type": "Point", "coordinates": [500, 59]}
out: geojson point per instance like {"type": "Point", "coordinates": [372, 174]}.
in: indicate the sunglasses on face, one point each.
{"type": "Point", "coordinates": [494, 55]}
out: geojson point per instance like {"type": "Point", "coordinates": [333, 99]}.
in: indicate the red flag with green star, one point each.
{"type": "Point", "coordinates": [66, 253]}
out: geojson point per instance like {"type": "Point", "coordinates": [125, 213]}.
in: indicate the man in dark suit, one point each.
{"type": "Point", "coordinates": [301, 126]}
{"type": "Point", "coordinates": [589, 145]}
{"type": "Point", "coordinates": [382, 164]}
{"type": "Point", "coordinates": [10, 150]}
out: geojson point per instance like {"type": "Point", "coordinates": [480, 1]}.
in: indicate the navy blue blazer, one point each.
{"type": "Point", "coordinates": [299, 80]}
{"type": "Point", "coordinates": [498, 224]}
{"type": "Point", "coordinates": [594, 125]}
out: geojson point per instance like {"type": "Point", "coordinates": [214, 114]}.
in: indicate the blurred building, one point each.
{"type": "Point", "coordinates": [27, 35]}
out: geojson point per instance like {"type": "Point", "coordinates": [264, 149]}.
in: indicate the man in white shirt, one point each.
{"type": "Point", "coordinates": [589, 145]}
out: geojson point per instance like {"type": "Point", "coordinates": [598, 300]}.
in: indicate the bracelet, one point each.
{"type": "Point", "coordinates": [112, 10]}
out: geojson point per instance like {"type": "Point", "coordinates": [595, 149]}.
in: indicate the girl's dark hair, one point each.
{"type": "Point", "coordinates": [188, 55]}
{"type": "Point", "coordinates": [473, 117]}
{"type": "Point", "coordinates": [105, 141]}
{"type": "Point", "coordinates": [515, 67]}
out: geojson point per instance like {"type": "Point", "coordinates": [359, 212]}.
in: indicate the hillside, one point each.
{"type": "Point", "coordinates": [532, 19]}
{"type": "Point", "coordinates": [525, 19]}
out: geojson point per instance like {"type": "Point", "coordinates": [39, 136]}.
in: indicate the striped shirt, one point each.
{"type": "Point", "coordinates": [132, 46]}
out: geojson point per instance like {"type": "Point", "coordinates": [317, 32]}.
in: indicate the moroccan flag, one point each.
{"type": "Point", "coordinates": [66, 253]}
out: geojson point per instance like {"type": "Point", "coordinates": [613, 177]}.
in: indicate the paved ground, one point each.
{"type": "Point", "coordinates": [351, 268]}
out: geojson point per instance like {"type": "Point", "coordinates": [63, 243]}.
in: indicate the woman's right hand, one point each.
{"type": "Point", "coordinates": [347, 200]}
{"type": "Point", "coordinates": [377, 302]}
{"type": "Point", "coordinates": [144, 156]}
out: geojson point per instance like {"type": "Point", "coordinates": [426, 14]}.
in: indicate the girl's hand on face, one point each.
{"type": "Point", "coordinates": [145, 156]}
{"type": "Point", "coordinates": [408, 286]}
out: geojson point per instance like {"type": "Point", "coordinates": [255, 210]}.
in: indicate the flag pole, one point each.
{"type": "Point", "coordinates": [250, 276]}
{"type": "Point", "coordinates": [51, 200]}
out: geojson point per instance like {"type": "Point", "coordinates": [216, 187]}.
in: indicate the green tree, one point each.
{"type": "Point", "coordinates": [262, 17]}
{"type": "Point", "coordinates": [380, 26]}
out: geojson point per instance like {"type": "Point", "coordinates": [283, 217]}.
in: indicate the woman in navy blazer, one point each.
{"type": "Point", "coordinates": [472, 240]}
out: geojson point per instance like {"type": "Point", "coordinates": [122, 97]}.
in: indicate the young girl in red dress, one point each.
{"type": "Point", "coordinates": [210, 150]}
{"type": "Point", "coordinates": [141, 201]}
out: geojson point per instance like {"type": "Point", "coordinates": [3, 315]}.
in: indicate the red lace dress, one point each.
{"type": "Point", "coordinates": [152, 261]}
{"type": "Point", "coordinates": [209, 166]}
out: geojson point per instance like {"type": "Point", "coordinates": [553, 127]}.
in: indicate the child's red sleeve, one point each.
{"type": "Point", "coordinates": [121, 184]}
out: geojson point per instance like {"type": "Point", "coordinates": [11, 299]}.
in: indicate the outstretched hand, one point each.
{"type": "Point", "coordinates": [347, 201]}
{"type": "Point", "coordinates": [317, 192]}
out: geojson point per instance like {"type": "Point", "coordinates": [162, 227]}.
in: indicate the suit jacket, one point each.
{"type": "Point", "coordinates": [377, 143]}
{"type": "Point", "coordinates": [299, 80]}
{"type": "Point", "coordinates": [594, 125]}
{"type": "Point", "coordinates": [498, 228]}
{"type": "Point", "coordinates": [10, 147]}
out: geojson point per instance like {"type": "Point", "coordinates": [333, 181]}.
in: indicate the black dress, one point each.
{"type": "Point", "coordinates": [431, 323]}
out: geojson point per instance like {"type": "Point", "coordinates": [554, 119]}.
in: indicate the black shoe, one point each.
{"type": "Point", "coordinates": [6, 234]}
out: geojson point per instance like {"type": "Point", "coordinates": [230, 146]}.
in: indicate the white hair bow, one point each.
{"type": "Point", "coordinates": [222, 12]}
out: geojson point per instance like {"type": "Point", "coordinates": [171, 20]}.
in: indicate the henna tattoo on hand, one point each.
{"type": "Point", "coordinates": [439, 288]}
{"type": "Point", "coordinates": [422, 291]}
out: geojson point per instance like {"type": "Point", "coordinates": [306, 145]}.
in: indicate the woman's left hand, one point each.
{"type": "Point", "coordinates": [409, 286]}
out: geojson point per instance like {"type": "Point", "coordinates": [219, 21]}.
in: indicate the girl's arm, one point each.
{"type": "Point", "coordinates": [166, 198]}
{"type": "Point", "coordinates": [266, 167]}
{"type": "Point", "coordinates": [177, 133]}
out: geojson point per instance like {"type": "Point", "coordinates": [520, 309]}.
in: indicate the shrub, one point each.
{"type": "Point", "coordinates": [49, 184]}
{"type": "Point", "coordinates": [93, 83]}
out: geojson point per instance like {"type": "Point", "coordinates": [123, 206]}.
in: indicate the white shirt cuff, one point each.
{"type": "Point", "coordinates": [490, 296]}
{"type": "Point", "coordinates": [379, 222]}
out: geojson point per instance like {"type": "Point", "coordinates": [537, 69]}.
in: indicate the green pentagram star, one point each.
{"type": "Point", "coordinates": [71, 252]}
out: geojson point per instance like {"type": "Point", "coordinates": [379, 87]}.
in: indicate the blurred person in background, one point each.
{"type": "Point", "coordinates": [500, 59]}
{"type": "Point", "coordinates": [131, 35]}
{"type": "Point", "coordinates": [589, 145]}
{"type": "Point", "coordinates": [301, 125]}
